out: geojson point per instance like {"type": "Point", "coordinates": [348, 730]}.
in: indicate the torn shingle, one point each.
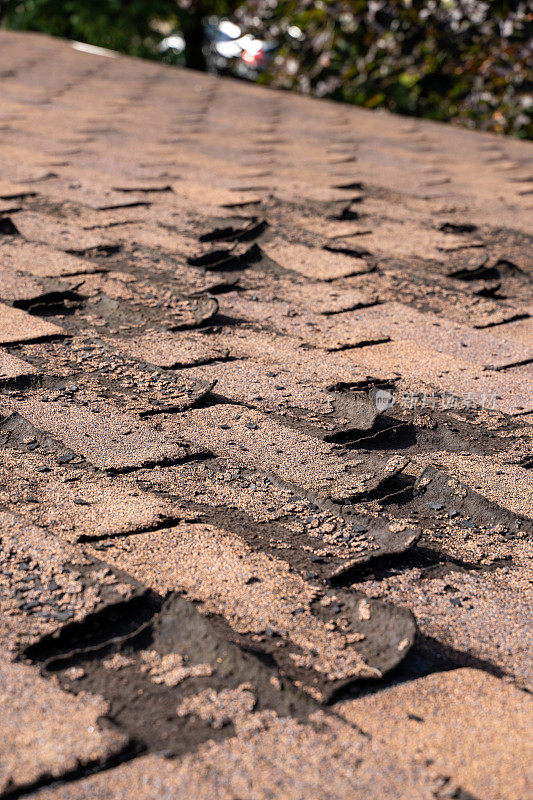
{"type": "Point", "coordinates": [48, 583]}
{"type": "Point", "coordinates": [254, 440]}
{"type": "Point", "coordinates": [107, 439]}
{"type": "Point", "coordinates": [320, 646]}
{"type": "Point", "coordinates": [313, 539]}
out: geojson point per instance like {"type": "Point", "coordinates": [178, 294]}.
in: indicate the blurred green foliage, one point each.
{"type": "Point", "coordinates": [461, 60]}
{"type": "Point", "coordinates": [117, 25]}
{"type": "Point", "coordinates": [128, 26]}
{"type": "Point", "coordinates": [470, 61]}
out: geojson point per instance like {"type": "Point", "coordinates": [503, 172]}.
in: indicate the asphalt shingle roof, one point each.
{"type": "Point", "coordinates": [265, 442]}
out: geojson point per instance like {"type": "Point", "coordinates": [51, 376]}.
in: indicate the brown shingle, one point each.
{"type": "Point", "coordinates": [63, 234]}
{"type": "Point", "coordinates": [12, 368]}
{"type": "Point", "coordinates": [107, 439]}
{"type": "Point", "coordinates": [42, 261]}
{"type": "Point", "coordinates": [489, 349]}
{"type": "Point", "coordinates": [18, 326]}
{"type": "Point", "coordinates": [466, 722]}
{"type": "Point", "coordinates": [339, 332]}
{"type": "Point", "coordinates": [316, 264]}
{"type": "Point", "coordinates": [46, 731]}
{"type": "Point", "coordinates": [47, 583]}
{"type": "Point", "coordinates": [16, 286]}
{"type": "Point", "coordinates": [173, 350]}
{"type": "Point", "coordinates": [77, 505]}
{"type": "Point", "coordinates": [272, 758]}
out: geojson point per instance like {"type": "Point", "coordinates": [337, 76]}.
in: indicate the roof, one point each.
{"type": "Point", "coordinates": [265, 425]}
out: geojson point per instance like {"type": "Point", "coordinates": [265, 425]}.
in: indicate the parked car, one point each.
{"type": "Point", "coordinates": [227, 49]}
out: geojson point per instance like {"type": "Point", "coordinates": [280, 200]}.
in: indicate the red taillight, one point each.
{"type": "Point", "coordinates": [252, 58]}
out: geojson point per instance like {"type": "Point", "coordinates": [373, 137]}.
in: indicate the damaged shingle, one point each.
{"type": "Point", "coordinates": [108, 439]}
